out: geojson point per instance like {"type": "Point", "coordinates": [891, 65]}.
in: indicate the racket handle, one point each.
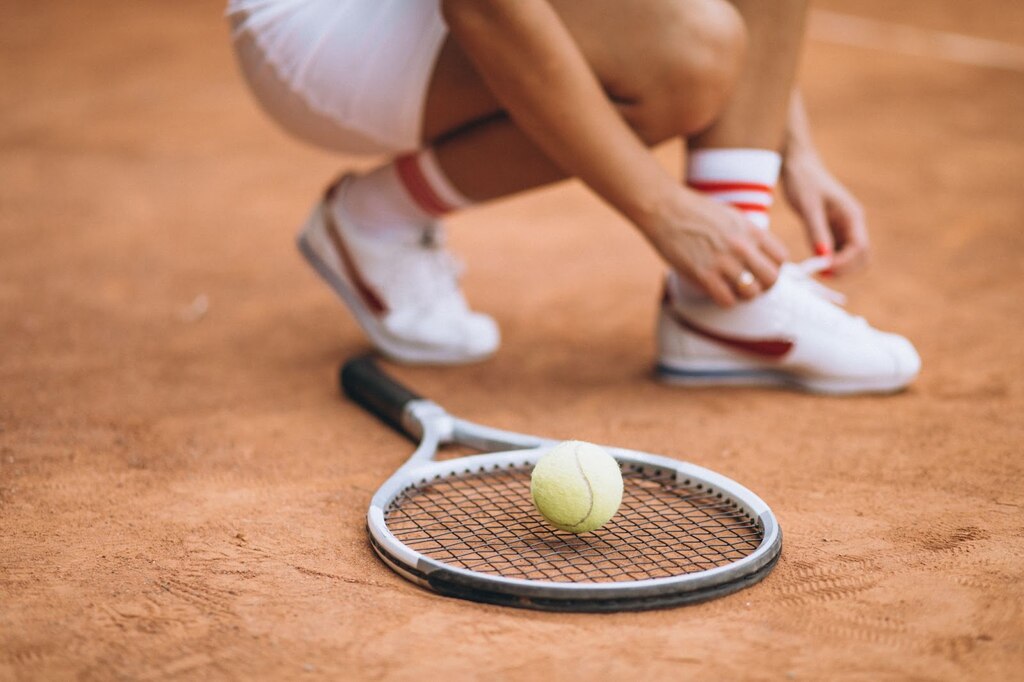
{"type": "Point", "coordinates": [367, 384]}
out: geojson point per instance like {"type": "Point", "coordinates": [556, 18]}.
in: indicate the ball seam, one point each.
{"type": "Point", "coordinates": [590, 487]}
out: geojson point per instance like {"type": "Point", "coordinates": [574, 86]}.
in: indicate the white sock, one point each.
{"type": "Point", "coordinates": [401, 197]}
{"type": "Point", "coordinates": [742, 178]}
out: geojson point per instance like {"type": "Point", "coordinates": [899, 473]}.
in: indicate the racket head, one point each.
{"type": "Point", "coordinates": [467, 528]}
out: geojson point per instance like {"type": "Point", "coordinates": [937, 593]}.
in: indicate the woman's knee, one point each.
{"type": "Point", "coordinates": [696, 54]}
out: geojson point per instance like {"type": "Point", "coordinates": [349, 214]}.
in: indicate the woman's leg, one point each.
{"type": "Point", "coordinates": [669, 66]}
{"type": "Point", "coordinates": [736, 160]}
{"type": "Point", "coordinates": [755, 114]}
{"type": "Point", "coordinates": [741, 149]}
{"type": "Point", "coordinates": [673, 67]}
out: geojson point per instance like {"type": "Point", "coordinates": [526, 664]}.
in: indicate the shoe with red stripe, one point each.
{"type": "Point", "coordinates": [403, 293]}
{"type": "Point", "coordinates": [796, 335]}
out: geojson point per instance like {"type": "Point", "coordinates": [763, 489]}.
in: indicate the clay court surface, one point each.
{"type": "Point", "coordinates": [182, 490]}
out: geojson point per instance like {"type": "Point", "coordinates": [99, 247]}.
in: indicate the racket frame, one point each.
{"type": "Point", "coordinates": [433, 427]}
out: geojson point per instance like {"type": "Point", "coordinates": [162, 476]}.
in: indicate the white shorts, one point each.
{"type": "Point", "coordinates": [348, 75]}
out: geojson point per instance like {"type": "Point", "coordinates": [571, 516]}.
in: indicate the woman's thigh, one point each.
{"type": "Point", "coordinates": [655, 58]}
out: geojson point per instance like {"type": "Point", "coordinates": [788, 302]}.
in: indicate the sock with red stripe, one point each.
{"type": "Point", "coordinates": [400, 198]}
{"type": "Point", "coordinates": [742, 178]}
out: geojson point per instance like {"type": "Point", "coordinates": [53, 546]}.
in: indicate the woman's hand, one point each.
{"type": "Point", "coordinates": [714, 245]}
{"type": "Point", "coordinates": [833, 218]}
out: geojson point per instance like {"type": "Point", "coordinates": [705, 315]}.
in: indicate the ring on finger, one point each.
{"type": "Point", "coordinates": [745, 280]}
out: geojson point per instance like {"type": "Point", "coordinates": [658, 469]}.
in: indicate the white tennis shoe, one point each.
{"type": "Point", "coordinates": [795, 335]}
{"type": "Point", "coordinates": [404, 293]}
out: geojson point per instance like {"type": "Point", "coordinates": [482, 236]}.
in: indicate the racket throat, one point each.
{"type": "Point", "coordinates": [425, 420]}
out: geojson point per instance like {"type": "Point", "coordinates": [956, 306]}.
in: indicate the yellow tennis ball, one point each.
{"type": "Point", "coordinates": [577, 486]}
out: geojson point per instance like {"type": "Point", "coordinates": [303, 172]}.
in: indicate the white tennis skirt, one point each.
{"type": "Point", "coordinates": [348, 75]}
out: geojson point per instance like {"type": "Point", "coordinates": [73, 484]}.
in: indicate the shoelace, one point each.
{"type": "Point", "coordinates": [426, 275]}
{"type": "Point", "coordinates": [804, 273]}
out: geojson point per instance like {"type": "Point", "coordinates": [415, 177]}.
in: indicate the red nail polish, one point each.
{"type": "Point", "coordinates": [823, 249]}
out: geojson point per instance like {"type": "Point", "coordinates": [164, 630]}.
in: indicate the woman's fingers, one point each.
{"type": "Point", "coordinates": [743, 272]}
{"type": "Point", "coordinates": [771, 246]}
{"type": "Point", "coordinates": [721, 250]}
{"type": "Point", "coordinates": [744, 283]}
{"type": "Point", "coordinates": [717, 287]}
{"type": "Point", "coordinates": [850, 258]}
{"type": "Point", "coordinates": [847, 219]}
{"type": "Point", "coordinates": [746, 267]}
{"type": "Point", "coordinates": [816, 222]}
{"type": "Point", "coordinates": [753, 262]}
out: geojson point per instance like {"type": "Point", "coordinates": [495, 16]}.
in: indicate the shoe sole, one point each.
{"type": "Point", "coordinates": [772, 378]}
{"type": "Point", "coordinates": [339, 283]}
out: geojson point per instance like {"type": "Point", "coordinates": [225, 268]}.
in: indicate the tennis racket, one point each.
{"type": "Point", "coordinates": [467, 527]}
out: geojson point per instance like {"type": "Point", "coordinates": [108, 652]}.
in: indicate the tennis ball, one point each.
{"type": "Point", "coordinates": [577, 486]}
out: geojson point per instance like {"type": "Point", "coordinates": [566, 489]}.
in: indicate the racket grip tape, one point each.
{"type": "Point", "coordinates": [367, 384]}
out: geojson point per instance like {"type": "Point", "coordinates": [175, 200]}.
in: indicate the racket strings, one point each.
{"type": "Point", "coordinates": [486, 522]}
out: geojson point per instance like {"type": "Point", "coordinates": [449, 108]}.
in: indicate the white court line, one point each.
{"type": "Point", "coordinates": [846, 29]}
